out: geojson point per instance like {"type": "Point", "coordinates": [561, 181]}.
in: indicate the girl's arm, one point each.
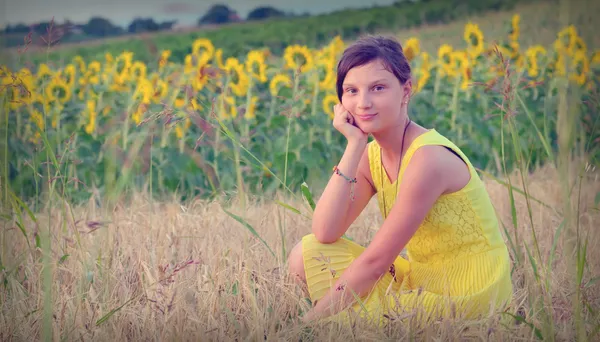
{"type": "Point", "coordinates": [335, 211]}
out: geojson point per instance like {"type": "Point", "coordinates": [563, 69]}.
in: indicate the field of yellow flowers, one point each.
{"type": "Point", "coordinates": [260, 122]}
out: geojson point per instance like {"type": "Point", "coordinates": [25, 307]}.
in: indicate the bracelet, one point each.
{"type": "Point", "coordinates": [351, 181]}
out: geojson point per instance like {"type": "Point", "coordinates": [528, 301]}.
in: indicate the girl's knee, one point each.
{"type": "Point", "coordinates": [296, 261]}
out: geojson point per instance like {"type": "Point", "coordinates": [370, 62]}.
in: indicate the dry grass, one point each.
{"type": "Point", "coordinates": [189, 272]}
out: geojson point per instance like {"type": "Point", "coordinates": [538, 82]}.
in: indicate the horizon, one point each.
{"type": "Point", "coordinates": [184, 12]}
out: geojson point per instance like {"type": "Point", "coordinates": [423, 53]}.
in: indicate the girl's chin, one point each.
{"type": "Point", "coordinates": [368, 127]}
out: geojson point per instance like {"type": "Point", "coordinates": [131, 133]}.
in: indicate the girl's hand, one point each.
{"type": "Point", "coordinates": [344, 122]}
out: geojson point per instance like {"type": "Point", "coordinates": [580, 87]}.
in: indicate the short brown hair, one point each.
{"type": "Point", "coordinates": [369, 48]}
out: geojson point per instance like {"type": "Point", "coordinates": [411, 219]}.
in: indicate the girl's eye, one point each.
{"type": "Point", "coordinates": [379, 87]}
{"type": "Point", "coordinates": [349, 90]}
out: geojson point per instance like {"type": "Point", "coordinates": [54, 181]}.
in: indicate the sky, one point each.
{"type": "Point", "coordinates": [186, 12]}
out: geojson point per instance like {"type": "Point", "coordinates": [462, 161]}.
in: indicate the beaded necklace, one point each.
{"type": "Point", "coordinates": [399, 164]}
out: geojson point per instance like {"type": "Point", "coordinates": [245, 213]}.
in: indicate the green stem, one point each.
{"type": "Point", "coordinates": [454, 106]}
{"type": "Point", "coordinates": [311, 128]}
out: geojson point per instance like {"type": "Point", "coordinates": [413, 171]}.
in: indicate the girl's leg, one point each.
{"type": "Point", "coordinates": [296, 265]}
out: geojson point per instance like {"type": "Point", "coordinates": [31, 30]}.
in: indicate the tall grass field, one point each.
{"type": "Point", "coordinates": [158, 199]}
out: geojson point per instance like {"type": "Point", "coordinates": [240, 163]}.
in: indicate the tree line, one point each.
{"type": "Point", "coordinates": [99, 27]}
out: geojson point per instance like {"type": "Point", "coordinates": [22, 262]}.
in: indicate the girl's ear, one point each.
{"type": "Point", "coordinates": [407, 90]}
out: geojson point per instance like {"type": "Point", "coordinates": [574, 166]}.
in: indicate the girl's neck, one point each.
{"type": "Point", "coordinates": [390, 140]}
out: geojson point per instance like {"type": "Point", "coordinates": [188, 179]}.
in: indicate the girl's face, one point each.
{"type": "Point", "coordinates": [375, 97]}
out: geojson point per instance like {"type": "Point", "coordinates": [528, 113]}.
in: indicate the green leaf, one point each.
{"type": "Point", "coordinates": [592, 282]}
{"type": "Point", "coordinates": [234, 288]}
{"type": "Point", "coordinates": [533, 263]}
{"type": "Point", "coordinates": [18, 200]}
{"type": "Point", "coordinates": [22, 229]}
{"type": "Point", "coordinates": [537, 331]}
{"type": "Point", "coordinates": [63, 258]}
{"type": "Point", "coordinates": [250, 228]}
{"type": "Point", "coordinates": [306, 194]}
{"type": "Point", "coordinates": [112, 312]}
{"type": "Point", "coordinates": [289, 207]}
{"type": "Point", "coordinates": [554, 243]}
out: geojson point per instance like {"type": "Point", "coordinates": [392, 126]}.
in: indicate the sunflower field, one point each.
{"type": "Point", "coordinates": [260, 122]}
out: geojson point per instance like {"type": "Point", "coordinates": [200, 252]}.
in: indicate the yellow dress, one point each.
{"type": "Point", "coordinates": [458, 263]}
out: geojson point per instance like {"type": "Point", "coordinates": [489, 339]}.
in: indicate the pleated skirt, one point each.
{"type": "Point", "coordinates": [397, 295]}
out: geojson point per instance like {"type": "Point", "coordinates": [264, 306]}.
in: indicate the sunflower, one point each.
{"type": "Point", "coordinates": [144, 91]}
{"type": "Point", "coordinates": [58, 90]}
{"type": "Point", "coordinates": [161, 89]}
{"type": "Point", "coordinates": [91, 115]}
{"type": "Point", "coordinates": [43, 73]}
{"type": "Point", "coordinates": [164, 58]}
{"type": "Point", "coordinates": [188, 64]}
{"type": "Point", "coordinates": [293, 53]}
{"type": "Point", "coordinates": [37, 120]}
{"type": "Point", "coordinates": [463, 67]}
{"type": "Point", "coordinates": [423, 74]}
{"type": "Point", "coordinates": [92, 75]}
{"type": "Point", "coordinates": [579, 45]}
{"type": "Point", "coordinates": [123, 64]}
{"type": "Point", "coordinates": [194, 105]}
{"type": "Point", "coordinates": [446, 60]}
{"type": "Point", "coordinates": [110, 60]}
{"type": "Point", "coordinates": [411, 48]}
{"type": "Point", "coordinates": [532, 59]}
{"type": "Point", "coordinates": [138, 71]}
{"type": "Point", "coordinates": [203, 49]}
{"type": "Point", "coordinates": [25, 77]}
{"type": "Point", "coordinates": [219, 59]}
{"type": "Point", "coordinates": [229, 109]}
{"type": "Point", "coordinates": [69, 73]}
{"type": "Point", "coordinates": [251, 112]}
{"type": "Point", "coordinates": [78, 60]}
{"type": "Point", "coordinates": [239, 78]}
{"type": "Point", "coordinates": [278, 79]}
{"type": "Point", "coordinates": [559, 65]}
{"type": "Point", "coordinates": [474, 38]}
{"type": "Point", "coordinates": [256, 58]}
{"type": "Point", "coordinates": [200, 78]}
{"type": "Point", "coordinates": [595, 59]}
{"type": "Point", "coordinates": [325, 56]}
{"type": "Point", "coordinates": [337, 45]}
{"type": "Point", "coordinates": [139, 113]}
{"type": "Point", "coordinates": [329, 101]}
{"type": "Point", "coordinates": [512, 51]}
{"type": "Point", "coordinates": [182, 127]}
{"type": "Point", "coordinates": [581, 67]}
{"type": "Point", "coordinates": [565, 41]}
{"type": "Point", "coordinates": [325, 73]}
{"type": "Point", "coordinates": [515, 30]}
{"type": "Point", "coordinates": [179, 101]}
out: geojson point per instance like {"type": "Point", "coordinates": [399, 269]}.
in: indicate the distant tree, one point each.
{"type": "Point", "coordinates": [167, 25]}
{"type": "Point", "coordinates": [17, 28]}
{"type": "Point", "coordinates": [264, 12]}
{"type": "Point", "coordinates": [143, 25]}
{"type": "Point", "coordinates": [42, 27]}
{"type": "Point", "coordinates": [219, 14]}
{"type": "Point", "coordinates": [101, 27]}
